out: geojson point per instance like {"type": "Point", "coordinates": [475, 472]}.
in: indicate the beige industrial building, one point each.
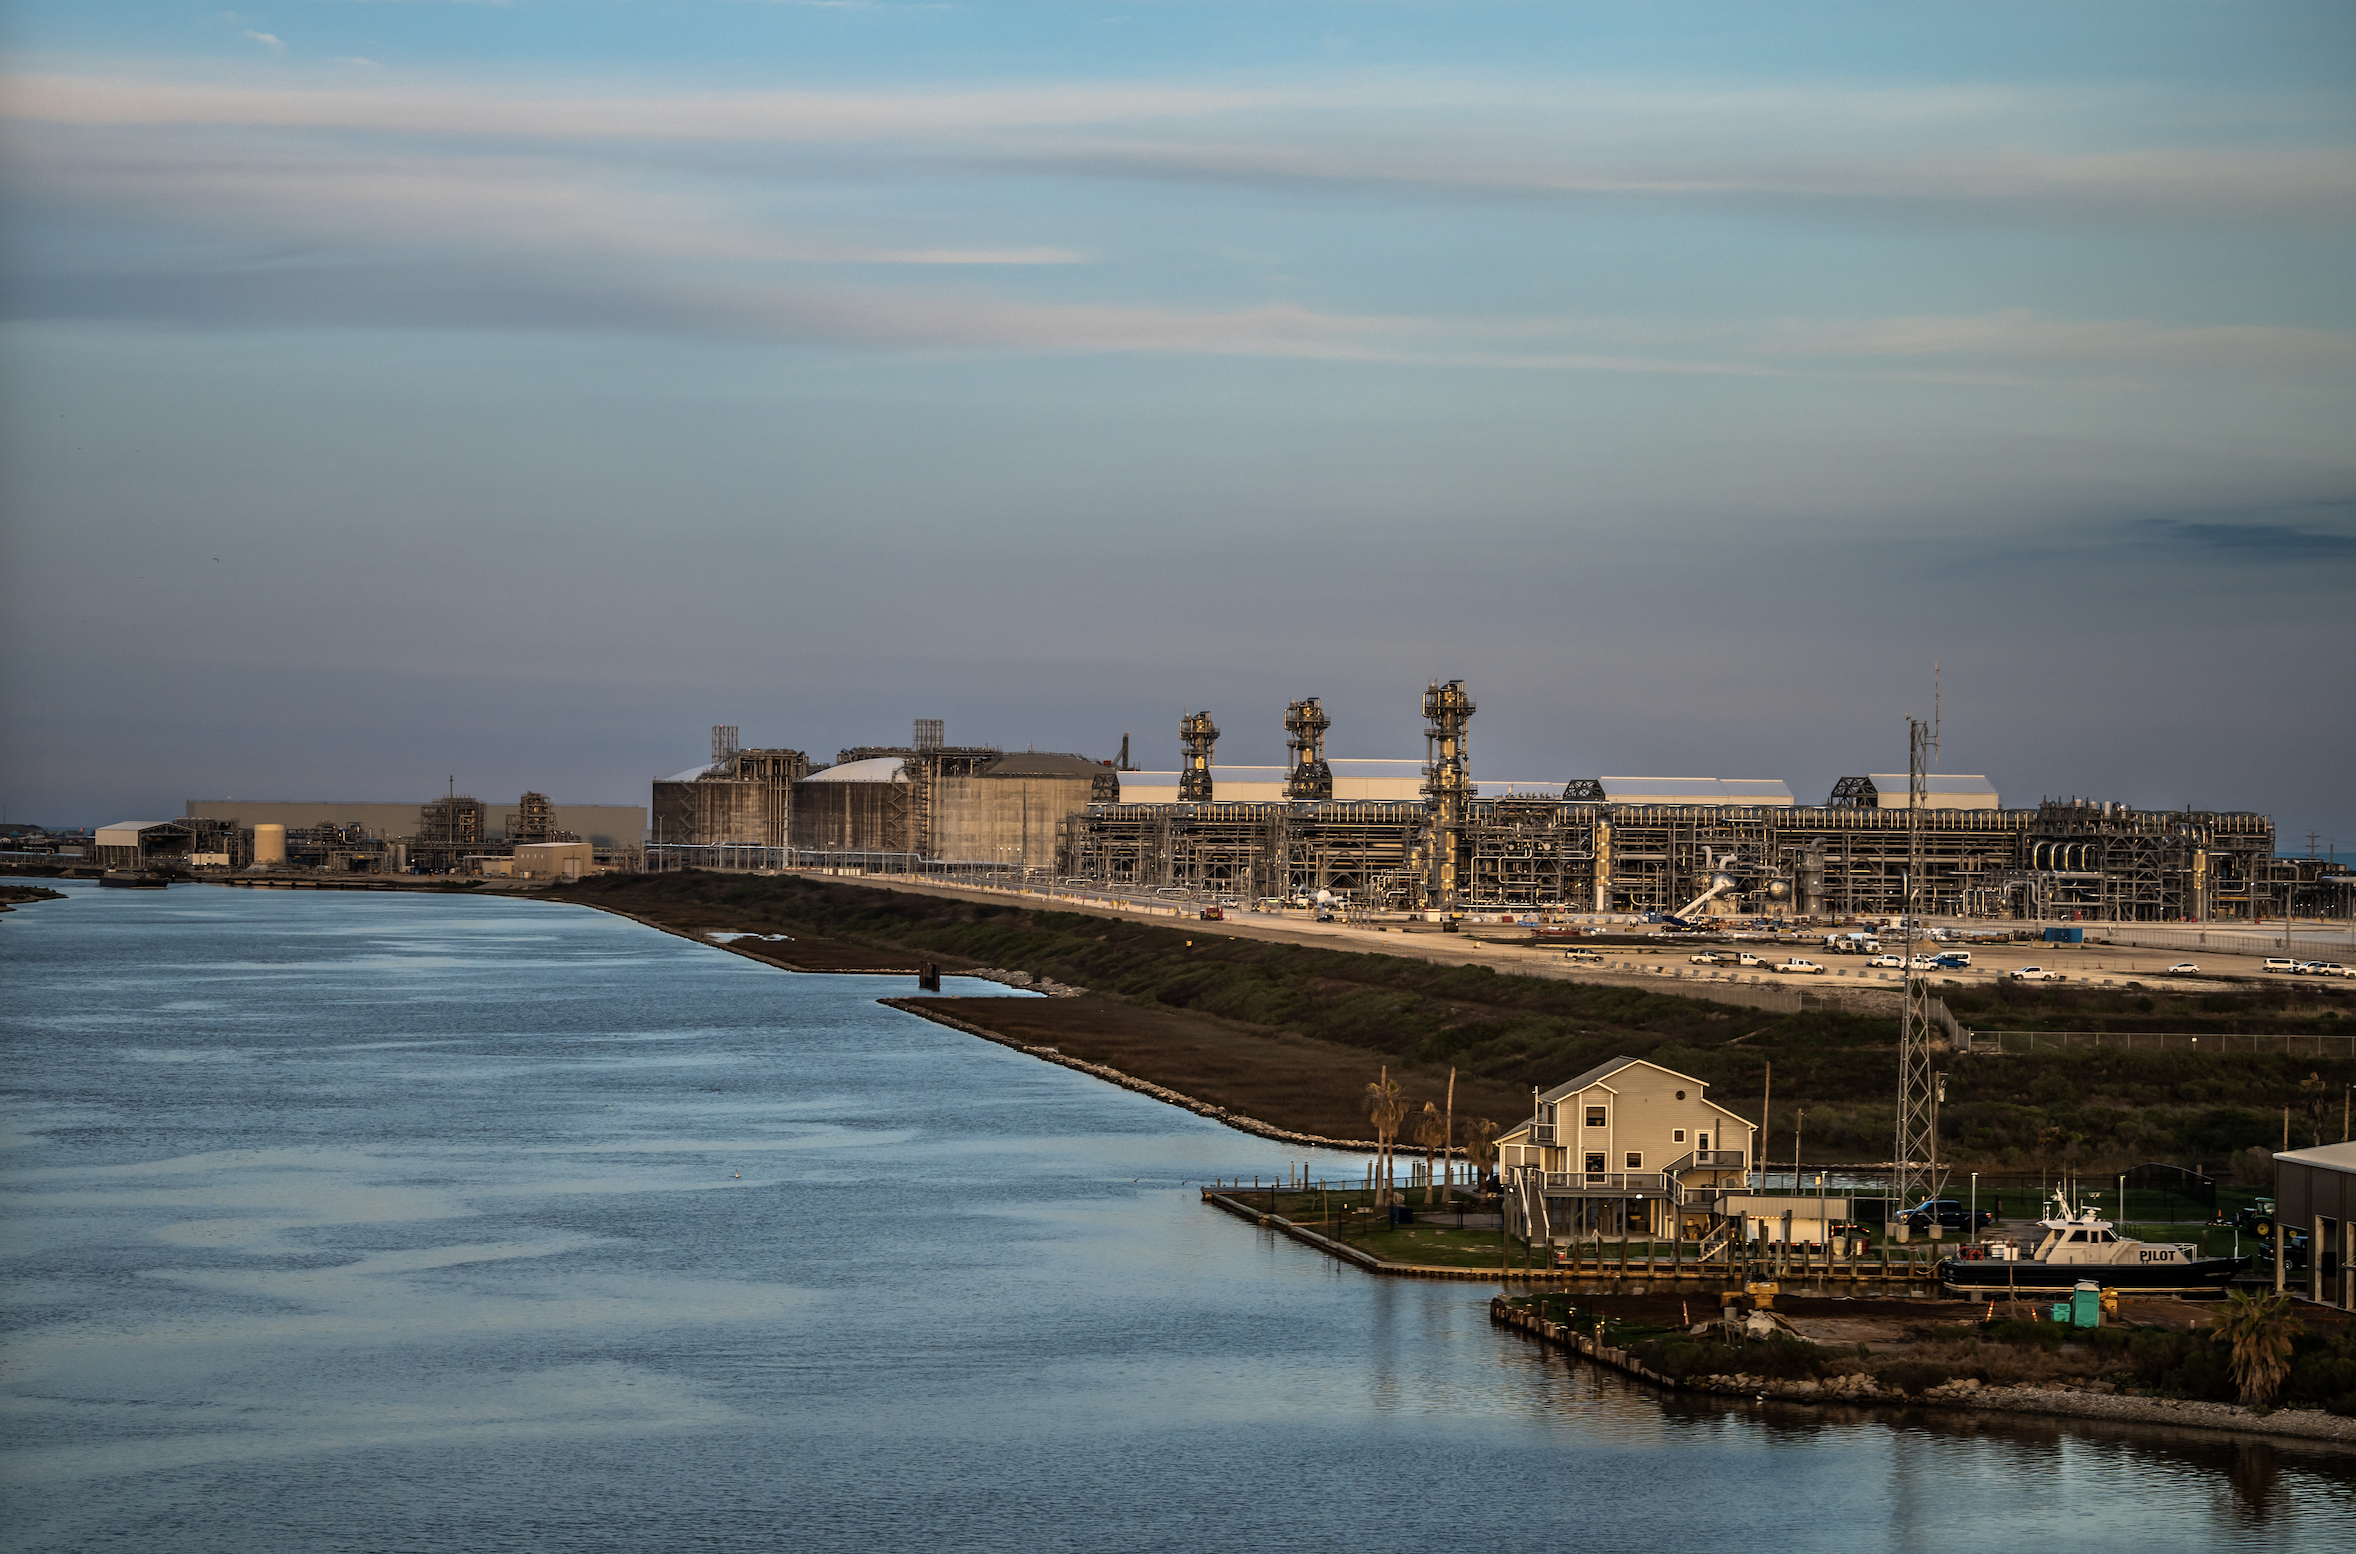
{"type": "Point", "coordinates": [552, 861]}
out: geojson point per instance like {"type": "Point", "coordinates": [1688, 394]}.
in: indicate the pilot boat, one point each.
{"type": "Point", "coordinates": [2081, 1245]}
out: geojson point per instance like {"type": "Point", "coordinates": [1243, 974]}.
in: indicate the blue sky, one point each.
{"type": "Point", "coordinates": [393, 391]}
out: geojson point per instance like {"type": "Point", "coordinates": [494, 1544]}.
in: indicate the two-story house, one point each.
{"type": "Point", "coordinates": [1630, 1148]}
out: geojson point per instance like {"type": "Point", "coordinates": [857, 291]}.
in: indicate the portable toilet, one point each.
{"type": "Point", "coordinates": [2086, 1304]}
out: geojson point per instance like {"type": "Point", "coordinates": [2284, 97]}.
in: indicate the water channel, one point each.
{"type": "Point", "coordinates": [340, 1221]}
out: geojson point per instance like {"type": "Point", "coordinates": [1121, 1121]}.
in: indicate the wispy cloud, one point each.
{"type": "Point", "coordinates": [2253, 541]}
{"type": "Point", "coordinates": [1971, 146]}
{"type": "Point", "coordinates": [690, 213]}
{"type": "Point", "coordinates": [266, 40]}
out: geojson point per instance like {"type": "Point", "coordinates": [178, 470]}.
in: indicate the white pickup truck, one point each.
{"type": "Point", "coordinates": [2034, 974]}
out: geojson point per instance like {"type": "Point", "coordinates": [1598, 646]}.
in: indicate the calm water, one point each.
{"type": "Point", "coordinates": [386, 1222]}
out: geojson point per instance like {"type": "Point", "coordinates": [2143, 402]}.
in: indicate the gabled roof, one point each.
{"type": "Point", "coordinates": [1602, 1071]}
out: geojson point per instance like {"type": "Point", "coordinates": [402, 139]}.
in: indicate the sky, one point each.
{"type": "Point", "coordinates": [400, 393]}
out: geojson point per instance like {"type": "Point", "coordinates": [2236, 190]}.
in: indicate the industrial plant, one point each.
{"type": "Point", "coordinates": [1405, 835]}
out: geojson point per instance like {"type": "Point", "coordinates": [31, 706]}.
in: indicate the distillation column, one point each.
{"type": "Point", "coordinates": [1197, 734]}
{"type": "Point", "coordinates": [1447, 786]}
{"type": "Point", "coordinates": [1305, 724]}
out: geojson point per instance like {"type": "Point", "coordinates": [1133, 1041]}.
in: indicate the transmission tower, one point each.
{"type": "Point", "coordinates": [1915, 1173]}
{"type": "Point", "coordinates": [1197, 735]}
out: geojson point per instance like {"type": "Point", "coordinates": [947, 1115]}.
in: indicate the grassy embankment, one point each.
{"type": "Point", "coordinates": [2150, 1361]}
{"type": "Point", "coordinates": [1291, 1034]}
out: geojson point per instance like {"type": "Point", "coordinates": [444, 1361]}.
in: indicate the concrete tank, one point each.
{"type": "Point", "coordinates": [269, 845]}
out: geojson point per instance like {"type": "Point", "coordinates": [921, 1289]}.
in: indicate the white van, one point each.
{"type": "Point", "coordinates": [2280, 965]}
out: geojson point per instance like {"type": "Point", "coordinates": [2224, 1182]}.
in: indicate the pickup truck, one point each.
{"type": "Point", "coordinates": [2035, 974]}
{"type": "Point", "coordinates": [1705, 958]}
{"type": "Point", "coordinates": [1947, 1212]}
{"type": "Point", "coordinates": [1898, 961]}
{"type": "Point", "coordinates": [1799, 967]}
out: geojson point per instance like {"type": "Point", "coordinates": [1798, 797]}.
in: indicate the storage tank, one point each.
{"type": "Point", "coordinates": [269, 845]}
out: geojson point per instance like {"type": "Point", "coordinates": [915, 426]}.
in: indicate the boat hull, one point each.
{"type": "Point", "coordinates": [2201, 1276]}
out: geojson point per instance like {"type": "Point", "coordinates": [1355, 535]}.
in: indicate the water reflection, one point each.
{"type": "Point", "coordinates": [460, 1225]}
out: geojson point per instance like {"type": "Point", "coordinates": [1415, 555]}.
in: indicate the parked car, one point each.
{"type": "Point", "coordinates": [1582, 957]}
{"type": "Point", "coordinates": [2184, 968]}
{"type": "Point", "coordinates": [2035, 974]}
{"type": "Point", "coordinates": [1923, 963]}
{"type": "Point", "coordinates": [1948, 1213]}
{"type": "Point", "coordinates": [2332, 968]}
{"type": "Point", "coordinates": [1955, 960]}
{"type": "Point", "coordinates": [2273, 964]}
{"type": "Point", "coordinates": [1898, 961]}
{"type": "Point", "coordinates": [1746, 958]}
{"type": "Point", "coordinates": [1705, 958]}
{"type": "Point", "coordinates": [1799, 967]}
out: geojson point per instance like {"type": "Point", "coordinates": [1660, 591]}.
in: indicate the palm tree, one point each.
{"type": "Point", "coordinates": [1480, 1146]}
{"type": "Point", "coordinates": [1386, 1108]}
{"type": "Point", "coordinates": [1431, 1131]}
{"type": "Point", "coordinates": [2260, 1329]}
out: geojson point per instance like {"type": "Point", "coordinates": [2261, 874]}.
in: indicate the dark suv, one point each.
{"type": "Point", "coordinates": [1947, 1213]}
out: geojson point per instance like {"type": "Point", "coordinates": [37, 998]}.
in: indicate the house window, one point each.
{"type": "Point", "coordinates": [1635, 1161]}
{"type": "Point", "coordinates": [1701, 1141]}
{"type": "Point", "coordinates": [1595, 1116]}
{"type": "Point", "coordinates": [1595, 1164]}
{"type": "Point", "coordinates": [1677, 1137]}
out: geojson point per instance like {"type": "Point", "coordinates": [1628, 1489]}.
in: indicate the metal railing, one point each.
{"type": "Point", "coordinates": [1607, 1184]}
{"type": "Point", "coordinates": [2293, 1043]}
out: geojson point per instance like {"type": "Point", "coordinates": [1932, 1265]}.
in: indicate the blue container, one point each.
{"type": "Point", "coordinates": [2065, 936]}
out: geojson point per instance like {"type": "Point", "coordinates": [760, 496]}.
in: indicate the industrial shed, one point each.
{"type": "Point", "coordinates": [2315, 1195]}
{"type": "Point", "coordinates": [135, 844]}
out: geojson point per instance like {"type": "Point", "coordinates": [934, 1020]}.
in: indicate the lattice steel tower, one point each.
{"type": "Point", "coordinates": [1197, 735]}
{"type": "Point", "coordinates": [1305, 722]}
{"type": "Point", "coordinates": [1915, 1168]}
{"type": "Point", "coordinates": [1447, 787]}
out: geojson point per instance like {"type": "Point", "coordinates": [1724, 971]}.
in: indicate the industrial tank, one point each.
{"type": "Point", "coordinates": [269, 845]}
